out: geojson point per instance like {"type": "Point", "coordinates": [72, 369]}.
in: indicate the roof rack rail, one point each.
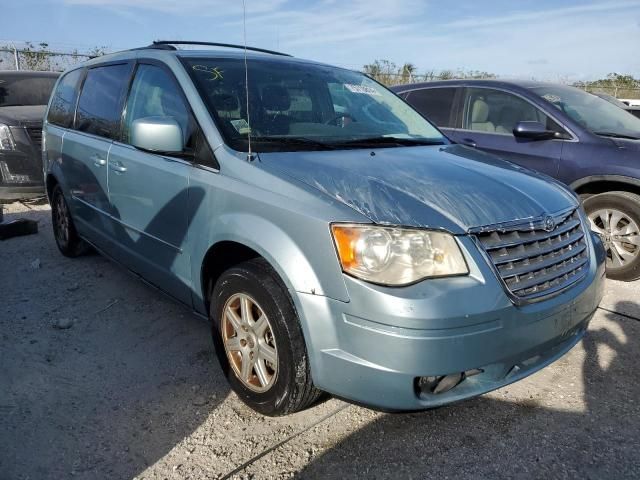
{"type": "Point", "coordinates": [169, 45]}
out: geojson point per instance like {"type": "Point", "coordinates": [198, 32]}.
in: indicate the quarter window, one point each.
{"type": "Point", "coordinates": [100, 104]}
{"type": "Point", "coordinates": [435, 104]}
{"type": "Point", "coordinates": [63, 104]}
{"type": "Point", "coordinates": [494, 111]}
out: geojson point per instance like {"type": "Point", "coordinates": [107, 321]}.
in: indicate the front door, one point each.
{"type": "Point", "coordinates": [150, 194]}
{"type": "Point", "coordinates": [488, 119]}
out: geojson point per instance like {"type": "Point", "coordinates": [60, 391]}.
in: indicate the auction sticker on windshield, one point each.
{"type": "Point", "coordinates": [361, 89]}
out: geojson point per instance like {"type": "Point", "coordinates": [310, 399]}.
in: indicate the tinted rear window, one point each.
{"type": "Point", "coordinates": [100, 104]}
{"type": "Point", "coordinates": [23, 90]}
{"type": "Point", "coordinates": [63, 103]}
{"type": "Point", "coordinates": [435, 104]}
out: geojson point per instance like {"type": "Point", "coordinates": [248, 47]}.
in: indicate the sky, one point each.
{"type": "Point", "coordinates": [543, 39]}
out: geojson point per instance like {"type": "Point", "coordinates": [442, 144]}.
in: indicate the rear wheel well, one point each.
{"type": "Point", "coordinates": [603, 186]}
{"type": "Point", "coordinates": [221, 257]}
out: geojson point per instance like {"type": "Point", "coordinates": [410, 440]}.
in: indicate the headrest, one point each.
{"type": "Point", "coordinates": [225, 102]}
{"type": "Point", "coordinates": [275, 98]}
{"type": "Point", "coordinates": [480, 111]}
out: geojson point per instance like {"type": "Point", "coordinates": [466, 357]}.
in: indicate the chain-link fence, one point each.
{"type": "Point", "coordinates": [16, 58]}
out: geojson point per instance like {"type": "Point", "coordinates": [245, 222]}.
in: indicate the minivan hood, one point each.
{"type": "Point", "coordinates": [452, 187]}
{"type": "Point", "coordinates": [18, 116]}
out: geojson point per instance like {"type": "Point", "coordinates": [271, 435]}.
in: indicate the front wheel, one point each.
{"type": "Point", "coordinates": [615, 217]}
{"type": "Point", "coordinates": [259, 341]}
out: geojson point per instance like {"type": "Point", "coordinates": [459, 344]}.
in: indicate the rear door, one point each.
{"type": "Point", "coordinates": [60, 118]}
{"type": "Point", "coordinates": [488, 118]}
{"type": "Point", "coordinates": [86, 148]}
{"type": "Point", "coordinates": [150, 194]}
{"type": "Point", "coordinates": [437, 105]}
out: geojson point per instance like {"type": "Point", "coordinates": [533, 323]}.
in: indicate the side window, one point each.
{"type": "Point", "coordinates": [63, 104]}
{"type": "Point", "coordinates": [100, 104]}
{"type": "Point", "coordinates": [488, 110]}
{"type": "Point", "coordinates": [435, 104]}
{"type": "Point", "coordinates": [154, 93]}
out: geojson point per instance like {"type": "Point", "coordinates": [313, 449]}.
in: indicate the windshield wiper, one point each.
{"type": "Point", "coordinates": [294, 141]}
{"type": "Point", "coordinates": [383, 140]}
{"type": "Point", "coordinates": [616, 135]}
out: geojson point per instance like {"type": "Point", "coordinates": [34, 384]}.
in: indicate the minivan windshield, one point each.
{"type": "Point", "coordinates": [304, 106]}
{"type": "Point", "coordinates": [24, 90]}
{"type": "Point", "coordinates": [592, 112]}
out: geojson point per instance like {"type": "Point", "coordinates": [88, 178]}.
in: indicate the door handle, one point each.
{"type": "Point", "coordinates": [98, 161]}
{"type": "Point", "coordinates": [117, 167]}
{"type": "Point", "coordinates": [470, 142]}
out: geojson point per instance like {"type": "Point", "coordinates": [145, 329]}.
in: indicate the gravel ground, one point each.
{"type": "Point", "coordinates": [104, 377]}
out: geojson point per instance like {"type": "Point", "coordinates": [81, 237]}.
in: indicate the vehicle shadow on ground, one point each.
{"type": "Point", "coordinates": [528, 438]}
{"type": "Point", "coordinates": [112, 394]}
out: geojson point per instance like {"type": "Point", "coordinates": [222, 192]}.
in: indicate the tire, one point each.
{"type": "Point", "coordinates": [622, 240]}
{"type": "Point", "coordinates": [64, 230]}
{"type": "Point", "coordinates": [285, 386]}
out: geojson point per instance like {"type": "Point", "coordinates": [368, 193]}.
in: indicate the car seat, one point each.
{"type": "Point", "coordinates": [480, 117]}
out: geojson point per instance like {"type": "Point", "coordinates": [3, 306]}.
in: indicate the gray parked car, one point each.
{"type": "Point", "coordinates": [334, 238]}
{"type": "Point", "coordinates": [23, 99]}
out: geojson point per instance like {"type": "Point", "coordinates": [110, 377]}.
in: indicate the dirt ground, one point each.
{"type": "Point", "coordinates": [103, 377]}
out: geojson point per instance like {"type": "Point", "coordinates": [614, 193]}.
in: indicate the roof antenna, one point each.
{"type": "Point", "coordinates": [246, 77]}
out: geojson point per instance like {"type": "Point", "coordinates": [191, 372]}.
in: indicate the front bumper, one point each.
{"type": "Point", "coordinates": [374, 349]}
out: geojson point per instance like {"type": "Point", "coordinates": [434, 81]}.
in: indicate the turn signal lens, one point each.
{"type": "Point", "coordinates": [396, 256]}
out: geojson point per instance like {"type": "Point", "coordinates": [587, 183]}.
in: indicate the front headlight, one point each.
{"type": "Point", "coordinates": [396, 256]}
{"type": "Point", "coordinates": [6, 139]}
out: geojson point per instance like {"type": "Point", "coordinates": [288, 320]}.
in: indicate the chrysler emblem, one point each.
{"type": "Point", "coordinates": [549, 224]}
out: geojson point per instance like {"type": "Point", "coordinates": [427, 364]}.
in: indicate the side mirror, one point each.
{"type": "Point", "coordinates": [533, 131]}
{"type": "Point", "coordinates": [157, 134]}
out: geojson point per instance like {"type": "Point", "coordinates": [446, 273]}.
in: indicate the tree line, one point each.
{"type": "Point", "coordinates": [389, 73]}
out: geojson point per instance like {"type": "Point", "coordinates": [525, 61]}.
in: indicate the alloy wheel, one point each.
{"type": "Point", "coordinates": [249, 342]}
{"type": "Point", "coordinates": [61, 219]}
{"type": "Point", "coordinates": [620, 235]}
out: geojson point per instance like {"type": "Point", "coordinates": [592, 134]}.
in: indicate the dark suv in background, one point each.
{"type": "Point", "coordinates": [584, 141]}
{"type": "Point", "coordinates": [23, 99]}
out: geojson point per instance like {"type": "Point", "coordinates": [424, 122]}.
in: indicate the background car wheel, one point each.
{"type": "Point", "coordinates": [259, 341]}
{"type": "Point", "coordinates": [615, 216]}
{"type": "Point", "coordinates": [64, 231]}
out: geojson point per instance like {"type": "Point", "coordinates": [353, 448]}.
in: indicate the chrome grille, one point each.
{"type": "Point", "coordinates": [534, 262]}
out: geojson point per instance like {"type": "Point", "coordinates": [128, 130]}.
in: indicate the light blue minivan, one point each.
{"type": "Point", "coordinates": [334, 238]}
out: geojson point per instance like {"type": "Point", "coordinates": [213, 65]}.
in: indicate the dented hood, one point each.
{"type": "Point", "coordinates": [452, 187]}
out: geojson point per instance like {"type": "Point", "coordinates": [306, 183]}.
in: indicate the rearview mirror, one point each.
{"type": "Point", "coordinates": [157, 134]}
{"type": "Point", "coordinates": [533, 131]}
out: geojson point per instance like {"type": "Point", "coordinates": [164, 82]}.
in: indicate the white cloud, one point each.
{"type": "Point", "coordinates": [200, 7]}
{"type": "Point", "coordinates": [544, 41]}
{"type": "Point", "coordinates": [537, 15]}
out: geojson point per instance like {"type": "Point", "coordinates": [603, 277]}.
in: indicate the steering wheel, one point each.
{"type": "Point", "coordinates": [332, 121]}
